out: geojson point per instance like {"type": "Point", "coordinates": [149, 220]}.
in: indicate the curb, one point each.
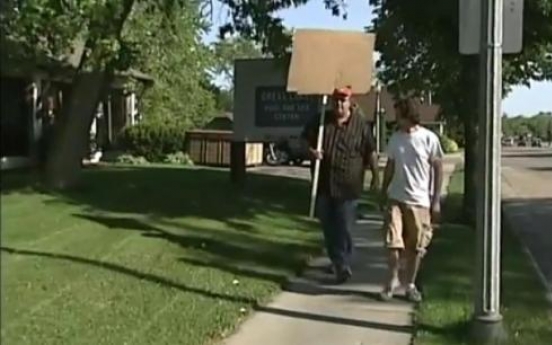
{"type": "Point", "coordinates": [507, 224]}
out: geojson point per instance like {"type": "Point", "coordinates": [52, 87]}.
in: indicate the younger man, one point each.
{"type": "Point", "coordinates": [412, 185]}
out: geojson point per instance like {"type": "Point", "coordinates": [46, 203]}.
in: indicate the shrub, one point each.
{"type": "Point", "coordinates": [448, 145]}
{"type": "Point", "coordinates": [130, 159]}
{"type": "Point", "coordinates": [178, 158]}
{"type": "Point", "coordinates": [152, 140]}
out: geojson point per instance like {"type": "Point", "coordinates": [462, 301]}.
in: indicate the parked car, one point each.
{"type": "Point", "coordinates": [537, 142]}
{"type": "Point", "coordinates": [508, 141]}
{"type": "Point", "coordinates": [285, 151]}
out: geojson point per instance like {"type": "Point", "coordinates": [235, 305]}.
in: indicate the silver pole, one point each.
{"type": "Point", "coordinates": [378, 119]}
{"type": "Point", "coordinates": [487, 317]}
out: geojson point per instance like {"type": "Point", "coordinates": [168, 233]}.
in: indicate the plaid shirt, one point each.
{"type": "Point", "coordinates": [347, 149]}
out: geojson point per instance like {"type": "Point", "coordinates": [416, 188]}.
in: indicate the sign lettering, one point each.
{"type": "Point", "coordinates": [275, 107]}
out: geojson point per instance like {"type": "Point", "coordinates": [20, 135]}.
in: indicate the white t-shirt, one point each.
{"type": "Point", "coordinates": [412, 153]}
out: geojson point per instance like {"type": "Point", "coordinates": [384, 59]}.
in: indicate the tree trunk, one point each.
{"type": "Point", "coordinates": [470, 163]}
{"type": "Point", "coordinates": [469, 107]}
{"type": "Point", "coordinates": [72, 133]}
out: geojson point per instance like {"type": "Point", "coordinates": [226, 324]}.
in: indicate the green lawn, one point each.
{"type": "Point", "coordinates": [152, 255]}
{"type": "Point", "coordinates": [444, 315]}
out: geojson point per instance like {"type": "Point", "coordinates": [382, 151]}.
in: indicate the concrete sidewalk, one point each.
{"type": "Point", "coordinates": [527, 208]}
{"type": "Point", "coordinates": [313, 311]}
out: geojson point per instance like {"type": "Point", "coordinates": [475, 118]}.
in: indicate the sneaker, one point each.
{"type": "Point", "coordinates": [389, 291]}
{"type": "Point", "coordinates": [343, 275]}
{"type": "Point", "coordinates": [330, 269]}
{"type": "Point", "coordinates": [413, 294]}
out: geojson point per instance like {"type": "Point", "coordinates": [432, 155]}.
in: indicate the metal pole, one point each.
{"type": "Point", "coordinates": [487, 318]}
{"type": "Point", "coordinates": [378, 119]}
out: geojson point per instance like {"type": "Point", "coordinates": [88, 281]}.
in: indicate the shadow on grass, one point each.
{"type": "Point", "coordinates": [175, 192]}
{"type": "Point", "coordinates": [226, 251]}
{"type": "Point", "coordinates": [263, 224]}
{"type": "Point", "coordinates": [164, 282]}
{"type": "Point", "coordinates": [21, 181]}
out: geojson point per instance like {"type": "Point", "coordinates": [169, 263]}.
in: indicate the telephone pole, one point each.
{"type": "Point", "coordinates": [487, 317]}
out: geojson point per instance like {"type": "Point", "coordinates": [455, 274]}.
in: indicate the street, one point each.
{"type": "Point", "coordinates": [536, 159]}
{"type": "Point", "coordinates": [527, 203]}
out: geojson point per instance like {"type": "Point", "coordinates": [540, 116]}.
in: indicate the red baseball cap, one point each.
{"type": "Point", "coordinates": [343, 92]}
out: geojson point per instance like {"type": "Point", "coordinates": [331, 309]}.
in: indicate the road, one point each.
{"type": "Point", "coordinates": [527, 203]}
{"type": "Point", "coordinates": [538, 159]}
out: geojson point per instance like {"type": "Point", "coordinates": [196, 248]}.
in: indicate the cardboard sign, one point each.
{"type": "Point", "coordinates": [322, 60]}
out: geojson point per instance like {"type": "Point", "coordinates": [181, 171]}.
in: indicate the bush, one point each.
{"type": "Point", "coordinates": [152, 140]}
{"type": "Point", "coordinates": [178, 158]}
{"type": "Point", "coordinates": [130, 159]}
{"type": "Point", "coordinates": [448, 145]}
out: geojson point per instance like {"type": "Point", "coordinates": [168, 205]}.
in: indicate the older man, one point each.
{"type": "Point", "coordinates": [347, 150]}
{"type": "Point", "coordinates": [412, 185]}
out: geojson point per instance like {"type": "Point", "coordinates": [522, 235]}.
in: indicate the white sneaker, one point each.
{"type": "Point", "coordinates": [389, 290]}
{"type": "Point", "coordinates": [413, 294]}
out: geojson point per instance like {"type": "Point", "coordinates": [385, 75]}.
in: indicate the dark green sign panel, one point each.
{"type": "Point", "coordinates": [275, 107]}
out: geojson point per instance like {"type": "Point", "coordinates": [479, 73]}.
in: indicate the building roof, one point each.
{"type": "Point", "coordinates": [367, 102]}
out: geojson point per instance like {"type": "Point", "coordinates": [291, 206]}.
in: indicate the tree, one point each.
{"type": "Point", "coordinates": [418, 42]}
{"type": "Point", "coordinates": [256, 21]}
{"type": "Point", "coordinates": [537, 125]}
{"type": "Point", "coordinates": [228, 50]}
{"type": "Point", "coordinates": [225, 52]}
{"type": "Point", "coordinates": [43, 29]}
{"type": "Point", "coordinates": [178, 61]}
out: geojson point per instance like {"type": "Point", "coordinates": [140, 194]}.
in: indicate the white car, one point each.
{"type": "Point", "coordinates": [508, 142]}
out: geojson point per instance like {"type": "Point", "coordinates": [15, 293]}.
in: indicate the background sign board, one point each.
{"type": "Point", "coordinates": [275, 107]}
{"type": "Point", "coordinates": [470, 26]}
{"type": "Point", "coordinates": [262, 107]}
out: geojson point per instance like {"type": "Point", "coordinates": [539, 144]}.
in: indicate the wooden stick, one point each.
{"type": "Point", "coordinates": [316, 174]}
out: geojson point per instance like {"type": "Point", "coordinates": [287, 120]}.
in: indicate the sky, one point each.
{"type": "Point", "coordinates": [522, 100]}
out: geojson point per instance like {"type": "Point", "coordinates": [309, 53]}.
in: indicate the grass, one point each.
{"type": "Point", "coordinates": [444, 317]}
{"type": "Point", "coordinates": [152, 255]}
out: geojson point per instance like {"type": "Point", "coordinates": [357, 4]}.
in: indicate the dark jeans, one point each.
{"type": "Point", "coordinates": [337, 218]}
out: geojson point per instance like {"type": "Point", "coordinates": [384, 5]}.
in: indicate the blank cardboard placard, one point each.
{"type": "Point", "coordinates": [322, 60]}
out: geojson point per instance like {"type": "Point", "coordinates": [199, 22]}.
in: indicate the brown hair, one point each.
{"type": "Point", "coordinates": [408, 108]}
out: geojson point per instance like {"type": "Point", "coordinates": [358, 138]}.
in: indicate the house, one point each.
{"type": "Point", "coordinates": [382, 102]}
{"type": "Point", "coordinates": [33, 93]}
{"type": "Point", "coordinates": [430, 113]}
{"type": "Point", "coordinates": [223, 122]}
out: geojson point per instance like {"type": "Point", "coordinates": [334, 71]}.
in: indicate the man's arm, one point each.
{"type": "Point", "coordinates": [436, 161]}
{"type": "Point", "coordinates": [436, 156]}
{"type": "Point", "coordinates": [374, 167]}
{"type": "Point", "coordinates": [437, 168]}
{"type": "Point", "coordinates": [371, 157]}
{"type": "Point", "coordinates": [388, 175]}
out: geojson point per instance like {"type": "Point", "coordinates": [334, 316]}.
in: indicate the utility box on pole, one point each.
{"type": "Point", "coordinates": [470, 26]}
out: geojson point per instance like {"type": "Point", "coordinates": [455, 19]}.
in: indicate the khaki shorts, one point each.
{"type": "Point", "coordinates": [407, 227]}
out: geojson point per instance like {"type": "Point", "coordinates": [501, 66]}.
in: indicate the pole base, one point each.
{"type": "Point", "coordinates": [488, 330]}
